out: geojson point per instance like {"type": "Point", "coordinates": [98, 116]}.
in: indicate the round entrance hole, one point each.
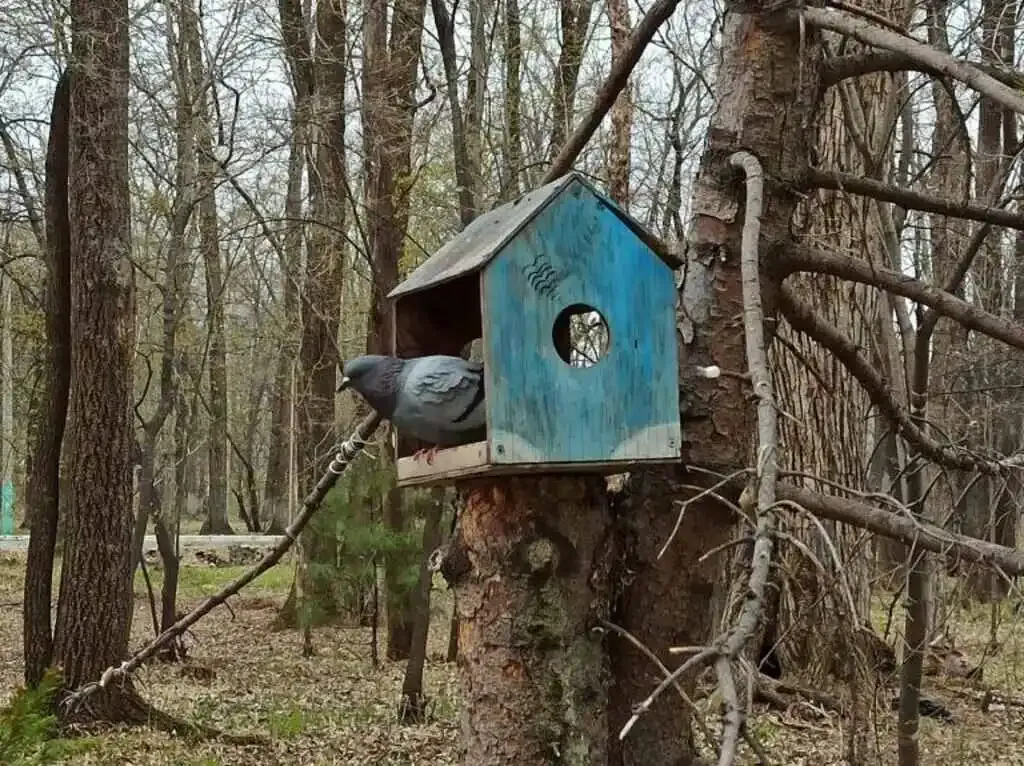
{"type": "Point", "coordinates": [581, 335]}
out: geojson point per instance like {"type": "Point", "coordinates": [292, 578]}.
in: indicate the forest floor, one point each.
{"type": "Point", "coordinates": [336, 708]}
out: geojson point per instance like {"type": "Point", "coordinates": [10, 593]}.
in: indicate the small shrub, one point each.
{"type": "Point", "coordinates": [28, 727]}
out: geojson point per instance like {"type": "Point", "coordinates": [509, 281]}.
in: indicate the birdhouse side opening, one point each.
{"type": "Point", "coordinates": [444, 319]}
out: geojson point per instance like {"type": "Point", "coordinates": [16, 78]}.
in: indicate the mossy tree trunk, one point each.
{"type": "Point", "coordinates": [530, 566]}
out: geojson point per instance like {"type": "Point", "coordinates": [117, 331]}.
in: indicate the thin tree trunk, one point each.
{"type": "Point", "coordinates": [513, 102]}
{"type": "Point", "coordinates": [275, 493]}
{"type": "Point", "coordinates": [413, 705]}
{"type": "Point", "coordinates": [622, 110]}
{"type": "Point", "coordinates": [217, 522]}
{"type": "Point", "coordinates": [318, 350]}
{"type": "Point", "coordinates": [574, 16]}
{"type": "Point", "coordinates": [43, 482]}
{"type": "Point", "coordinates": [391, 60]}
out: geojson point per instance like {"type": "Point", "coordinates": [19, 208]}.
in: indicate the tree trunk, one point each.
{"type": "Point", "coordinates": [664, 602]}
{"type": "Point", "coordinates": [531, 571]}
{"type": "Point", "coordinates": [390, 62]}
{"type": "Point", "coordinates": [574, 18]}
{"type": "Point", "coordinates": [758, 56]}
{"type": "Point", "coordinates": [622, 109]}
{"type": "Point", "coordinates": [513, 102]}
{"type": "Point", "coordinates": [413, 706]}
{"type": "Point", "coordinates": [96, 584]}
{"type": "Point", "coordinates": [401, 599]}
{"type": "Point", "coordinates": [318, 350]}
{"type": "Point", "coordinates": [276, 488]}
{"type": "Point", "coordinates": [43, 486]}
{"type": "Point", "coordinates": [209, 244]}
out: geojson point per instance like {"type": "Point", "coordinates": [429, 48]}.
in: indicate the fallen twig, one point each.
{"type": "Point", "coordinates": [344, 454]}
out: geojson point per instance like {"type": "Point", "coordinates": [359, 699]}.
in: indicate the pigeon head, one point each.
{"type": "Point", "coordinates": [375, 377]}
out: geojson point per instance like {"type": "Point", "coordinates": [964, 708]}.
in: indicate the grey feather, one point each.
{"type": "Point", "coordinates": [437, 399]}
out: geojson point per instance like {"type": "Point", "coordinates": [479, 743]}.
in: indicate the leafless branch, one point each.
{"type": "Point", "coordinates": [802, 318]}
{"type": "Point", "coordinates": [912, 200]}
{"type": "Point", "coordinates": [859, 64]}
{"type": "Point", "coordinates": [973, 318]}
{"type": "Point", "coordinates": [869, 34]}
{"type": "Point", "coordinates": [904, 528]}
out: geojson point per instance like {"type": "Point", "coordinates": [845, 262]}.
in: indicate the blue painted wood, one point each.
{"type": "Point", "coordinates": [539, 408]}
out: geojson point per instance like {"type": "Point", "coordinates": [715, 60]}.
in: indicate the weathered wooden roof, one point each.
{"type": "Point", "coordinates": [478, 243]}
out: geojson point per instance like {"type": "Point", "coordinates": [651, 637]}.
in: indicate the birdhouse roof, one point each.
{"type": "Point", "coordinates": [474, 247]}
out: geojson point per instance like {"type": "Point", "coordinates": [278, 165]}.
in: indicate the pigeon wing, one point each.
{"type": "Point", "coordinates": [451, 388]}
{"type": "Point", "coordinates": [441, 398]}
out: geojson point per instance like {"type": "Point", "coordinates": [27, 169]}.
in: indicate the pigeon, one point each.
{"type": "Point", "coordinates": [437, 399]}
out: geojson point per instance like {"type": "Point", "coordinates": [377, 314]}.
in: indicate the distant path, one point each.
{"type": "Point", "coordinates": [15, 543]}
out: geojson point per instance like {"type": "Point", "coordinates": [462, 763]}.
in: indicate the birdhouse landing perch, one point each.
{"type": "Point", "coordinates": [575, 314]}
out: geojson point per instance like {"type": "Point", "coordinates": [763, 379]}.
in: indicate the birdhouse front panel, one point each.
{"type": "Point", "coordinates": [579, 340]}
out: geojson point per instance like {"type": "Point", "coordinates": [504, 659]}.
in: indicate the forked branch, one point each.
{"type": "Point", "coordinates": [869, 34]}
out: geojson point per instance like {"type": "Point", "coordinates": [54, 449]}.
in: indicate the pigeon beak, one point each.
{"type": "Point", "coordinates": [344, 384]}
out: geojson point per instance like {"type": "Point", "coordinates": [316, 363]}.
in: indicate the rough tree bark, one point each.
{"type": "Point", "coordinates": [43, 481]}
{"type": "Point", "coordinates": [96, 587]}
{"type": "Point", "coordinates": [530, 565]}
{"type": "Point", "coordinates": [760, 55]}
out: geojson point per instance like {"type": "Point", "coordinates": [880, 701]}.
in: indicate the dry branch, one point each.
{"type": "Point", "coordinates": [904, 528]}
{"type": "Point", "coordinates": [728, 647]}
{"type": "Point", "coordinates": [913, 200]}
{"type": "Point", "coordinates": [869, 34]}
{"type": "Point", "coordinates": [344, 454]}
{"type": "Point", "coordinates": [803, 318]}
{"type": "Point", "coordinates": [973, 318]}
{"type": "Point", "coordinates": [859, 64]}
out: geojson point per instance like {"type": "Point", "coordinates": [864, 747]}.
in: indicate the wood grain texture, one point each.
{"type": "Point", "coordinates": [473, 461]}
{"type": "Point", "coordinates": [540, 409]}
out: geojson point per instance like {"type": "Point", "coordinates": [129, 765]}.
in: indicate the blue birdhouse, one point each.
{"type": "Point", "coordinates": [573, 305]}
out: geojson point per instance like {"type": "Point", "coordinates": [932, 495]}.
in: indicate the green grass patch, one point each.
{"type": "Point", "coordinates": [200, 581]}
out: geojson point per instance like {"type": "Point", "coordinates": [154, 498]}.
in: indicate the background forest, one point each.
{"type": "Point", "coordinates": [246, 183]}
